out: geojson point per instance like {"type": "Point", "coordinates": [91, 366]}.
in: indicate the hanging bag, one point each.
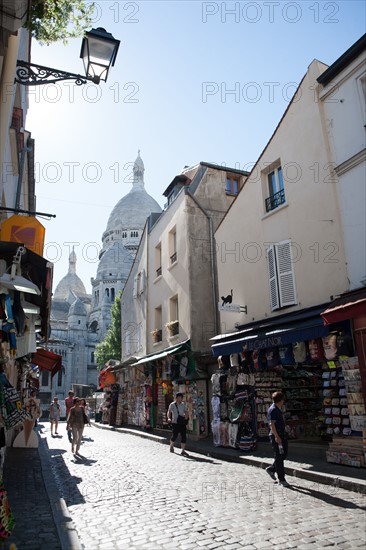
{"type": "Point", "coordinates": [181, 420]}
{"type": "Point", "coordinates": [6, 516]}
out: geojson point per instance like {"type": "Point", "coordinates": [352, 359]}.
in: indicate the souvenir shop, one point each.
{"type": "Point", "coordinates": [315, 366]}
{"type": "Point", "coordinates": [148, 386]}
{"type": "Point", "coordinates": [25, 297]}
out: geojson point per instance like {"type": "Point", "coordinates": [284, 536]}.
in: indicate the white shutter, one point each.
{"type": "Point", "coordinates": [286, 275]}
{"type": "Point", "coordinates": [135, 286]}
{"type": "Point", "coordinates": [272, 277]}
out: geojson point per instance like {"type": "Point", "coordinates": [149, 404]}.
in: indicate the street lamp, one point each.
{"type": "Point", "coordinates": [98, 50]}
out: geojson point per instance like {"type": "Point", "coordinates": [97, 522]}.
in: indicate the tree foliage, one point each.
{"type": "Point", "coordinates": [54, 20]}
{"type": "Point", "coordinates": [111, 346]}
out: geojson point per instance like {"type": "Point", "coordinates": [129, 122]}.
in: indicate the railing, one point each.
{"type": "Point", "coordinates": [173, 258]}
{"type": "Point", "coordinates": [275, 200]}
{"type": "Point", "coordinates": [158, 272]}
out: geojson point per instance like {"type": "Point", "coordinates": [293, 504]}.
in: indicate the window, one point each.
{"type": "Point", "coordinates": [44, 380]}
{"type": "Point", "coordinates": [157, 332]}
{"type": "Point", "coordinates": [232, 185]}
{"type": "Point", "coordinates": [276, 190]}
{"type": "Point", "coordinates": [113, 294]}
{"type": "Point", "coordinates": [158, 260]}
{"type": "Point", "coordinates": [134, 234]}
{"type": "Point", "coordinates": [139, 283]}
{"type": "Point", "coordinates": [362, 91]}
{"type": "Point", "coordinates": [173, 246]}
{"type": "Point", "coordinates": [92, 357]}
{"type": "Point", "coordinates": [281, 275]}
{"type": "Point", "coordinates": [59, 378]}
{"type": "Point", "coordinates": [124, 234]}
{"type": "Point", "coordinates": [173, 324]}
{"type": "Point", "coordinates": [173, 309]}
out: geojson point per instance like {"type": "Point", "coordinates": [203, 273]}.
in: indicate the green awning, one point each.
{"type": "Point", "coordinates": [159, 355]}
{"type": "Point", "coordinates": [183, 347]}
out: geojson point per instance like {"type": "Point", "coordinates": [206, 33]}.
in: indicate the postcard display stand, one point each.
{"type": "Point", "coordinates": [233, 423]}
{"type": "Point", "coordinates": [348, 447]}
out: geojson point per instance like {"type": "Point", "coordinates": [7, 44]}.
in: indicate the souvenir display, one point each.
{"type": "Point", "coordinates": [233, 421]}
{"type": "Point", "coordinates": [323, 395]}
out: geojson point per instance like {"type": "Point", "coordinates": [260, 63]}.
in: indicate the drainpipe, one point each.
{"type": "Point", "coordinates": [23, 153]}
{"type": "Point", "coordinates": [213, 257]}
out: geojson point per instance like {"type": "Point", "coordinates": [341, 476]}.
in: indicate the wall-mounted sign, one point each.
{"type": "Point", "coordinates": [26, 230]}
{"type": "Point", "coordinates": [232, 308]}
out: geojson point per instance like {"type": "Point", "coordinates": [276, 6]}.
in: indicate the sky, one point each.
{"type": "Point", "coordinates": [193, 81]}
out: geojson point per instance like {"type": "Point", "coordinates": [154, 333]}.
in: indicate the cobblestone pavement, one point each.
{"type": "Point", "coordinates": [28, 499]}
{"type": "Point", "coordinates": [128, 492]}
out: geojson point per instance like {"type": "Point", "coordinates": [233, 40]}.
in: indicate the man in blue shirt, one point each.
{"type": "Point", "coordinates": [278, 438]}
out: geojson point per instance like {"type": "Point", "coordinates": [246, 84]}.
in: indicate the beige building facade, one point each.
{"type": "Point", "coordinates": [280, 246]}
{"type": "Point", "coordinates": [292, 249]}
{"type": "Point", "coordinates": [169, 302]}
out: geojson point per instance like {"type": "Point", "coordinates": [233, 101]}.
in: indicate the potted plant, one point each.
{"type": "Point", "coordinates": [173, 327]}
{"type": "Point", "coordinates": [157, 335]}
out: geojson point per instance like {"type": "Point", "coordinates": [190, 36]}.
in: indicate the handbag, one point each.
{"type": "Point", "coordinates": [85, 418]}
{"type": "Point", "coordinates": [181, 420]}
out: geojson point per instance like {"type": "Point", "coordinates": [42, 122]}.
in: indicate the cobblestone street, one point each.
{"type": "Point", "coordinates": [128, 492]}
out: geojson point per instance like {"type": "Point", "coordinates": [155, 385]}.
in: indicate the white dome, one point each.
{"type": "Point", "coordinates": [132, 210]}
{"type": "Point", "coordinates": [71, 283]}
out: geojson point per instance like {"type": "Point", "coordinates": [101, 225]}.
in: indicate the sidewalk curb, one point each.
{"type": "Point", "coordinates": [356, 486]}
{"type": "Point", "coordinates": [66, 530]}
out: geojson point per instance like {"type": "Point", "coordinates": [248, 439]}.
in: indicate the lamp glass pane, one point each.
{"type": "Point", "coordinates": [100, 51]}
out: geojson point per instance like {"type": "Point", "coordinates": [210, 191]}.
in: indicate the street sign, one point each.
{"type": "Point", "coordinates": [232, 308]}
{"type": "Point", "coordinates": [26, 230]}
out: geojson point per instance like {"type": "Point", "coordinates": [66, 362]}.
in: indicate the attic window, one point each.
{"type": "Point", "coordinates": [232, 185]}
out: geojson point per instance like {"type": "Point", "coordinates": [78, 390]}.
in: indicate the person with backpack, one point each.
{"type": "Point", "coordinates": [55, 413]}
{"type": "Point", "coordinates": [178, 417]}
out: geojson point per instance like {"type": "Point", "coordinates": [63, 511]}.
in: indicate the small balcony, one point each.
{"type": "Point", "coordinates": [158, 272]}
{"type": "Point", "coordinates": [274, 201]}
{"type": "Point", "coordinates": [173, 258]}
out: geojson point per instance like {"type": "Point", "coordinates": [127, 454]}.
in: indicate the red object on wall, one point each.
{"type": "Point", "coordinates": [47, 360]}
{"type": "Point", "coordinates": [106, 378]}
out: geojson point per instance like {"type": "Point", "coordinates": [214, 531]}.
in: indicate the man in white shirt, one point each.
{"type": "Point", "coordinates": [178, 416]}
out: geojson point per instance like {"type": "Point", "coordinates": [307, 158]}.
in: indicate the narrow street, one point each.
{"type": "Point", "coordinates": [128, 492]}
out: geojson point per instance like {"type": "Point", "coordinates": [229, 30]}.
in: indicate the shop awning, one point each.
{"type": "Point", "coordinates": [347, 306]}
{"type": "Point", "coordinates": [47, 360]}
{"type": "Point", "coordinates": [267, 334]}
{"type": "Point", "coordinates": [169, 351]}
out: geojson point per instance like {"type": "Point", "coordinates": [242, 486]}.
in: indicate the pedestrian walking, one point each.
{"type": "Point", "coordinates": [86, 408]}
{"type": "Point", "coordinates": [69, 403]}
{"type": "Point", "coordinates": [178, 416]}
{"type": "Point", "coordinates": [55, 413]}
{"type": "Point", "coordinates": [76, 422]}
{"type": "Point", "coordinates": [278, 439]}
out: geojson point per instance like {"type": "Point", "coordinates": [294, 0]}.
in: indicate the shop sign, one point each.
{"type": "Point", "coordinates": [232, 308]}
{"type": "Point", "coordinates": [25, 230]}
{"type": "Point", "coordinates": [262, 343]}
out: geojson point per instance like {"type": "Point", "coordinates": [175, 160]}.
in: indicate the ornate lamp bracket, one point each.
{"type": "Point", "coordinates": [30, 74]}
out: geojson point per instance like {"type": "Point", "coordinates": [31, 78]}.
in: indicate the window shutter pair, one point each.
{"type": "Point", "coordinates": [281, 274]}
